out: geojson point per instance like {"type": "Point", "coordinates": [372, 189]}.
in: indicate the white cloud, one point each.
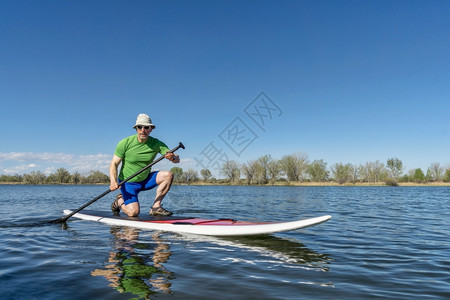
{"type": "Point", "coordinates": [25, 162]}
{"type": "Point", "coordinates": [85, 163]}
{"type": "Point", "coordinates": [19, 169]}
{"type": "Point", "coordinates": [35, 157]}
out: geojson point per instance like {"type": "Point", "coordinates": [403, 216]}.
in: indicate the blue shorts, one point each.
{"type": "Point", "coordinates": [130, 190]}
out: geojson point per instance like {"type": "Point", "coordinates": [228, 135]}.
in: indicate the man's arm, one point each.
{"type": "Point", "coordinates": [115, 162]}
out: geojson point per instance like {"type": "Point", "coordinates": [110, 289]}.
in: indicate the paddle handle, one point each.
{"type": "Point", "coordinates": [64, 218]}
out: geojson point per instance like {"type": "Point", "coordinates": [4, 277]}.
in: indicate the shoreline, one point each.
{"type": "Point", "coordinates": [304, 184]}
{"type": "Point", "coordinates": [332, 184]}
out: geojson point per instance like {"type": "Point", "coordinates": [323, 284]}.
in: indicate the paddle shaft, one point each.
{"type": "Point", "coordinates": [64, 218]}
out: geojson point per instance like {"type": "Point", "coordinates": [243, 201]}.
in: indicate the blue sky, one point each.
{"type": "Point", "coordinates": [342, 81]}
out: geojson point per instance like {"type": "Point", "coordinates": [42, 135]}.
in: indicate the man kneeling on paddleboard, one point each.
{"type": "Point", "coordinates": [135, 152]}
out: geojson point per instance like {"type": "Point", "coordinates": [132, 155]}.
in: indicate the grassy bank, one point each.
{"type": "Point", "coordinates": [283, 183]}
{"type": "Point", "coordinates": [297, 183]}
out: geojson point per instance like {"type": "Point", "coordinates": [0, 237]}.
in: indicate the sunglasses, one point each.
{"type": "Point", "coordinates": [145, 127]}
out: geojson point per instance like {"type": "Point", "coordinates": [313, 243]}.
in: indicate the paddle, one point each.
{"type": "Point", "coordinates": [64, 218]}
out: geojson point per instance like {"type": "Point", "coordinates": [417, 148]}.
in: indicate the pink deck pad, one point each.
{"type": "Point", "coordinates": [226, 222]}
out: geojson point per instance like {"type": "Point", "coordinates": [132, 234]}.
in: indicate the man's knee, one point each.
{"type": "Point", "coordinates": [132, 212]}
{"type": "Point", "coordinates": [132, 209]}
{"type": "Point", "coordinates": [165, 176]}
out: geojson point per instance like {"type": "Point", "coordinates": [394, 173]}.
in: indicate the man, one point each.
{"type": "Point", "coordinates": [135, 152]}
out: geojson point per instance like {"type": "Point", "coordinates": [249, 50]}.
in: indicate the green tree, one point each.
{"type": "Point", "coordinates": [395, 167]}
{"type": "Point", "coordinates": [76, 178]}
{"type": "Point", "coordinates": [289, 167]}
{"type": "Point", "coordinates": [11, 178]}
{"type": "Point", "coordinates": [357, 172]}
{"type": "Point", "coordinates": [248, 170]}
{"type": "Point", "coordinates": [206, 174]}
{"type": "Point", "coordinates": [317, 170]}
{"type": "Point", "coordinates": [419, 176]}
{"type": "Point", "coordinates": [260, 173]}
{"type": "Point", "coordinates": [231, 171]}
{"type": "Point", "coordinates": [190, 176]}
{"type": "Point", "coordinates": [35, 177]}
{"type": "Point", "coordinates": [342, 173]}
{"type": "Point", "coordinates": [177, 174]}
{"type": "Point", "coordinates": [273, 171]}
{"type": "Point", "coordinates": [263, 171]}
{"type": "Point", "coordinates": [446, 177]}
{"type": "Point", "coordinates": [435, 172]}
{"type": "Point", "coordinates": [60, 176]}
{"type": "Point", "coordinates": [405, 178]}
{"type": "Point", "coordinates": [96, 177]}
{"type": "Point", "coordinates": [294, 166]}
{"type": "Point", "coordinates": [374, 171]}
{"type": "Point", "coordinates": [255, 172]}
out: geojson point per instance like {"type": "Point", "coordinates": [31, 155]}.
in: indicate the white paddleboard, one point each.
{"type": "Point", "coordinates": [215, 227]}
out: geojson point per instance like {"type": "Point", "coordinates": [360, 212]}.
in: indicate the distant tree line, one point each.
{"type": "Point", "coordinates": [60, 176]}
{"type": "Point", "coordinates": [298, 168]}
{"type": "Point", "coordinates": [266, 170]}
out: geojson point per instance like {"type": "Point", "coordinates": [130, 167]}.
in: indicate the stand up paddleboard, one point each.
{"type": "Point", "coordinates": [218, 227]}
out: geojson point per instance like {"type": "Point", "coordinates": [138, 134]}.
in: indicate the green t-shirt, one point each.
{"type": "Point", "coordinates": [136, 155]}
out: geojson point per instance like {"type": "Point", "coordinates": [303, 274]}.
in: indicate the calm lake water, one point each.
{"type": "Point", "coordinates": [382, 242]}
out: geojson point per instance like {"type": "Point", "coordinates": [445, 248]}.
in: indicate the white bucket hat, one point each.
{"type": "Point", "coordinates": [144, 120]}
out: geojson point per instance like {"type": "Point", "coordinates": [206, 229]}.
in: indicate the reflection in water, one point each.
{"type": "Point", "coordinates": [268, 251]}
{"type": "Point", "coordinates": [286, 250]}
{"type": "Point", "coordinates": [289, 251]}
{"type": "Point", "coordinates": [132, 269]}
